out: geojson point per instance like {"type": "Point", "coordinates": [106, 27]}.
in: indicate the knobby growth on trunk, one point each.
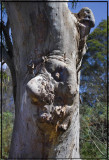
{"type": "Point", "coordinates": [48, 46]}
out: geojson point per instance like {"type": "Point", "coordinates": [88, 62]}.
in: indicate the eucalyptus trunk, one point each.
{"type": "Point", "coordinates": [48, 46]}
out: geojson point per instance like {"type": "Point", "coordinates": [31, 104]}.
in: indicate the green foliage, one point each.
{"type": "Point", "coordinates": [6, 80]}
{"type": "Point", "coordinates": [93, 110]}
{"type": "Point", "coordinates": [4, 75]}
{"type": "Point", "coordinates": [8, 110]}
{"type": "Point", "coordinates": [3, 7]}
{"type": "Point", "coordinates": [93, 131]}
{"type": "Point", "coordinates": [7, 127]}
{"type": "Point", "coordinates": [93, 74]}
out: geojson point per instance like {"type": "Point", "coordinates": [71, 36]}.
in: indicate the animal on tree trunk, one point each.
{"type": "Point", "coordinates": [48, 46]}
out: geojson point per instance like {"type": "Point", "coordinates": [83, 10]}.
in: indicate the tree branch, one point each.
{"type": "Point", "coordinates": [3, 63]}
{"type": "Point", "coordinates": [5, 30]}
{"type": "Point", "coordinates": [5, 56]}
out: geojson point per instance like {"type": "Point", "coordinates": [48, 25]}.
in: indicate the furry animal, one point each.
{"type": "Point", "coordinates": [85, 21]}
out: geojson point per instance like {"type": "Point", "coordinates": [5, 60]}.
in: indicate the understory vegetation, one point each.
{"type": "Point", "coordinates": [7, 127]}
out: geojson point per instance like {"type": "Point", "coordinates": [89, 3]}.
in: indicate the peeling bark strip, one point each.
{"type": "Point", "coordinates": [49, 43]}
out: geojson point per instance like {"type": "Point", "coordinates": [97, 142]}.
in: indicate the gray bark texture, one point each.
{"type": "Point", "coordinates": [48, 45]}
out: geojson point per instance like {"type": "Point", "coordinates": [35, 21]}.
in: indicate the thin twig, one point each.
{"type": "Point", "coordinates": [97, 138]}
{"type": "Point", "coordinates": [97, 146]}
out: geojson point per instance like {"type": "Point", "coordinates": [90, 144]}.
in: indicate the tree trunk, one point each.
{"type": "Point", "coordinates": [48, 48]}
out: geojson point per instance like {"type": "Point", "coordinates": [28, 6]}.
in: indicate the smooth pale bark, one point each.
{"type": "Point", "coordinates": [47, 42]}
